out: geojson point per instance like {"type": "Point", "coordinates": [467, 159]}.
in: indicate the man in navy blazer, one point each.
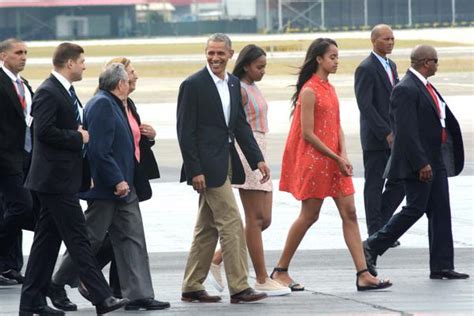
{"type": "Point", "coordinates": [56, 174]}
{"type": "Point", "coordinates": [210, 118]}
{"type": "Point", "coordinates": [427, 148]}
{"type": "Point", "coordinates": [374, 80]}
{"type": "Point", "coordinates": [113, 207]}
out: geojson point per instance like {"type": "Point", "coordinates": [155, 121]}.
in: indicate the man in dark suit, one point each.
{"type": "Point", "coordinates": [374, 80]}
{"type": "Point", "coordinates": [427, 148]}
{"type": "Point", "coordinates": [56, 174]}
{"type": "Point", "coordinates": [209, 120]}
{"type": "Point", "coordinates": [113, 200]}
{"type": "Point", "coordinates": [16, 209]}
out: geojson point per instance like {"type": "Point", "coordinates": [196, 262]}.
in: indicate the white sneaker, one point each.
{"type": "Point", "coordinates": [272, 288]}
{"type": "Point", "coordinates": [215, 277]}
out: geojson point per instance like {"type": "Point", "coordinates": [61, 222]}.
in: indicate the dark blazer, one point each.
{"type": "Point", "coordinates": [110, 150]}
{"type": "Point", "coordinates": [147, 158]}
{"type": "Point", "coordinates": [56, 165]}
{"type": "Point", "coordinates": [203, 134]}
{"type": "Point", "coordinates": [12, 127]}
{"type": "Point", "coordinates": [372, 89]}
{"type": "Point", "coordinates": [417, 131]}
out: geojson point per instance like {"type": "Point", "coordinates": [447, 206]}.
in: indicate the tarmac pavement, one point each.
{"type": "Point", "coordinates": [322, 263]}
{"type": "Point", "coordinates": [329, 278]}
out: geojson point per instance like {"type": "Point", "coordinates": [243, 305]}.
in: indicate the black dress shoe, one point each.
{"type": "Point", "coordinates": [6, 281]}
{"type": "Point", "coordinates": [370, 258]}
{"type": "Point", "coordinates": [110, 304]}
{"type": "Point", "coordinates": [14, 275]}
{"type": "Point", "coordinates": [42, 311]}
{"type": "Point", "coordinates": [448, 274]}
{"type": "Point", "coordinates": [246, 296]}
{"type": "Point", "coordinates": [395, 244]}
{"type": "Point", "coordinates": [200, 296]}
{"type": "Point", "coordinates": [59, 298]}
{"type": "Point", "coordinates": [147, 304]}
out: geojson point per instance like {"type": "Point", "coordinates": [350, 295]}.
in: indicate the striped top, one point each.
{"type": "Point", "coordinates": [256, 108]}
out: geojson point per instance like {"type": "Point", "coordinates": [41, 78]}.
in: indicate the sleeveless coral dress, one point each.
{"type": "Point", "coordinates": [305, 172]}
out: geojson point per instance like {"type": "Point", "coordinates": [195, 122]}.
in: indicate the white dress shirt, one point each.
{"type": "Point", "coordinates": [27, 109]}
{"type": "Point", "coordinates": [386, 65]}
{"type": "Point", "coordinates": [67, 85]}
{"type": "Point", "coordinates": [224, 94]}
{"type": "Point", "coordinates": [442, 105]}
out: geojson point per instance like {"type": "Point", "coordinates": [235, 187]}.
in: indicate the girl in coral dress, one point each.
{"type": "Point", "coordinates": [315, 163]}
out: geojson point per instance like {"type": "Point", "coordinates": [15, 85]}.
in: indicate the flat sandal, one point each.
{"type": "Point", "coordinates": [294, 286]}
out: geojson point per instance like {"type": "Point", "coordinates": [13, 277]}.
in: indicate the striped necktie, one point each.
{"type": "Point", "coordinates": [21, 93]}
{"type": "Point", "coordinates": [75, 101]}
{"type": "Point", "coordinates": [22, 97]}
{"type": "Point", "coordinates": [389, 71]}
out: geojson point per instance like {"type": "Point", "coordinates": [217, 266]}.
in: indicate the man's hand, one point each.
{"type": "Point", "coordinates": [389, 139]}
{"type": "Point", "coordinates": [264, 170]}
{"type": "Point", "coordinates": [84, 133]}
{"type": "Point", "coordinates": [148, 131]}
{"type": "Point", "coordinates": [199, 183]}
{"type": "Point", "coordinates": [122, 189]}
{"type": "Point", "coordinates": [426, 174]}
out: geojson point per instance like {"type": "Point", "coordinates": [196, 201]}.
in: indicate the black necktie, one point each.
{"type": "Point", "coordinates": [75, 101]}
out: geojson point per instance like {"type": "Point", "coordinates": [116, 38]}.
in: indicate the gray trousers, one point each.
{"type": "Point", "coordinates": [123, 222]}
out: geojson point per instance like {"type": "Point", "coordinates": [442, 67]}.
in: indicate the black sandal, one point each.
{"type": "Point", "coordinates": [381, 285]}
{"type": "Point", "coordinates": [294, 286]}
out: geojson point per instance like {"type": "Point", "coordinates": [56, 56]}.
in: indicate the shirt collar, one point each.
{"type": "Point", "coordinates": [383, 60]}
{"type": "Point", "coordinates": [215, 78]}
{"type": "Point", "coordinates": [10, 74]}
{"type": "Point", "coordinates": [64, 82]}
{"type": "Point", "coordinates": [419, 76]}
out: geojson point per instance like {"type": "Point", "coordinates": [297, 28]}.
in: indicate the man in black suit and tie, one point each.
{"type": "Point", "coordinates": [374, 80]}
{"type": "Point", "coordinates": [16, 209]}
{"type": "Point", "coordinates": [427, 148]}
{"type": "Point", "coordinates": [56, 175]}
{"type": "Point", "coordinates": [210, 119]}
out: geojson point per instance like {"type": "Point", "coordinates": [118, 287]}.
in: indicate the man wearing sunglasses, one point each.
{"type": "Point", "coordinates": [427, 148]}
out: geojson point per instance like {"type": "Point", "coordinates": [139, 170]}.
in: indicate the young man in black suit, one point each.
{"type": "Point", "coordinates": [56, 174]}
{"type": "Point", "coordinates": [210, 119]}
{"type": "Point", "coordinates": [427, 148]}
{"type": "Point", "coordinates": [16, 209]}
{"type": "Point", "coordinates": [374, 80]}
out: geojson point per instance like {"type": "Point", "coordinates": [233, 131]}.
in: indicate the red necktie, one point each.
{"type": "Point", "coordinates": [438, 109]}
{"type": "Point", "coordinates": [21, 93]}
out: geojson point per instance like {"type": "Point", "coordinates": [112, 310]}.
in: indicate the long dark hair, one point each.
{"type": "Point", "coordinates": [247, 55]}
{"type": "Point", "coordinates": [318, 47]}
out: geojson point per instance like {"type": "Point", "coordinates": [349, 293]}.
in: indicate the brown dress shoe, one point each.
{"type": "Point", "coordinates": [200, 296]}
{"type": "Point", "coordinates": [247, 295]}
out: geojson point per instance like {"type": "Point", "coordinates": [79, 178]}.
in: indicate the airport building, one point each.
{"type": "Point", "coordinates": [78, 19]}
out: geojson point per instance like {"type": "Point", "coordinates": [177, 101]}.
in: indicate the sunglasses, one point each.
{"type": "Point", "coordinates": [432, 59]}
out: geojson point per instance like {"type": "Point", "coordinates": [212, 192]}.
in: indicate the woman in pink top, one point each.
{"type": "Point", "coordinates": [255, 196]}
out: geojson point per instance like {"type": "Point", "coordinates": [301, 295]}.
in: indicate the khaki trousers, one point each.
{"type": "Point", "coordinates": [218, 218]}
